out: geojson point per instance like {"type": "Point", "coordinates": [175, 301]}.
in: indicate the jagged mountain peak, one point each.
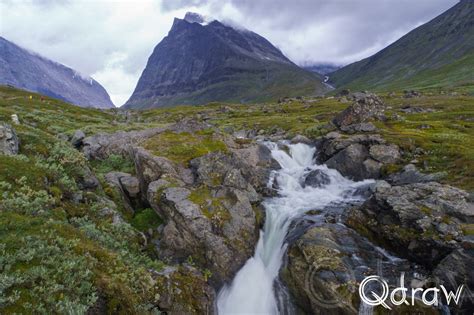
{"type": "Point", "coordinates": [204, 60]}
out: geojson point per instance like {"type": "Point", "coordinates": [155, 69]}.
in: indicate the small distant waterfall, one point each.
{"type": "Point", "coordinates": [252, 290]}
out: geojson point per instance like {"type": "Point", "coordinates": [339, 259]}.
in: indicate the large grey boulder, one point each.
{"type": "Point", "coordinates": [316, 178]}
{"type": "Point", "coordinates": [354, 162]}
{"type": "Point", "coordinates": [77, 138]}
{"type": "Point", "coordinates": [383, 153]}
{"type": "Point", "coordinates": [366, 106]}
{"type": "Point", "coordinates": [9, 142]}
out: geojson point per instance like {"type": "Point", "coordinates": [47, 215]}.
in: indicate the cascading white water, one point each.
{"type": "Point", "coordinates": [251, 291]}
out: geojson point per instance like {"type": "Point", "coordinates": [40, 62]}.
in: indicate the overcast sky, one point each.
{"type": "Point", "coordinates": [112, 40]}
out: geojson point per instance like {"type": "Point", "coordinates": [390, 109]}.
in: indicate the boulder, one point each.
{"type": "Point", "coordinates": [366, 106]}
{"type": "Point", "coordinates": [410, 175]}
{"type": "Point", "coordinates": [455, 270]}
{"type": "Point", "coordinates": [316, 178]}
{"type": "Point", "coordinates": [77, 138]}
{"type": "Point", "coordinates": [326, 264]}
{"type": "Point", "coordinates": [301, 139]}
{"type": "Point", "coordinates": [116, 180]}
{"type": "Point", "coordinates": [354, 162]}
{"type": "Point", "coordinates": [387, 154]}
{"type": "Point", "coordinates": [150, 167]}
{"type": "Point", "coordinates": [131, 185]}
{"type": "Point", "coordinates": [422, 222]}
{"type": "Point", "coordinates": [9, 142]}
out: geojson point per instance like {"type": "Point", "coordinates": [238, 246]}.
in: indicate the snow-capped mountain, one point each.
{"type": "Point", "coordinates": [29, 71]}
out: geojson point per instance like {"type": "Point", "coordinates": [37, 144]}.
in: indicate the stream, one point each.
{"type": "Point", "coordinates": [252, 291]}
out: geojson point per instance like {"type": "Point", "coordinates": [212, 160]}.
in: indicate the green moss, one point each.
{"type": "Point", "coordinates": [211, 207]}
{"type": "Point", "coordinates": [183, 147]}
{"type": "Point", "coordinates": [468, 229]}
{"type": "Point", "coordinates": [146, 219]}
{"type": "Point", "coordinates": [115, 163]}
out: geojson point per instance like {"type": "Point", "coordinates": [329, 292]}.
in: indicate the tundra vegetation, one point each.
{"type": "Point", "coordinates": [62, 251]}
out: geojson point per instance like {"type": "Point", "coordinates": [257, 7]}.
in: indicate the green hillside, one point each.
{"type": "Point", "coordinates": [437, 54]}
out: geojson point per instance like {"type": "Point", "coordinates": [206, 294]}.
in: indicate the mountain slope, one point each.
{"type": "Point", "coordinates": [439, 53]}
{"type": "Point", "coordinates": [27, 70]}
{"type": "Point", "coordinates": [200, 62]}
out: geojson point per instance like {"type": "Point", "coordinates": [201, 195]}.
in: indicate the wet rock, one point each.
{"type": "Point", "coordinates": [316, 178]}
{"type": "Point", "coordinates": [326, 264]}
{"type": "Point", "coordinates": [410, 175]}
{"type": "Point", "coordinates": [77, 138]}
{"type": "Point", "coordinates": [301, 139]}
{"type": "Point", "coordinates": [366, 106]}
{"type": "Point", "coordinates": [9, 142]}
{"type": "Point", "coordinates": [425, 218]}
{"type": "Point", "coordinates": [456, 270]}
{"type": "Point", "coordinates": [387, 154]}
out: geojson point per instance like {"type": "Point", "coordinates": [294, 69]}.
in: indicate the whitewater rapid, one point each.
{"type": "Point", "coordinates": [252, 289]}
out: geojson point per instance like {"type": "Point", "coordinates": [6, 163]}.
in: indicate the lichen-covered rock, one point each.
{"type": "Point", "coordinates": [183, 290]}
{"type": "Point", "coordinates": [216, 227]}
{"type": "Point", "coordinates": [410, 175]}
{"type": "Point", "coordinates": [387, 154]}
{"type": "Point", "coordinates": [354, 162]}
{"type": "Point", "coordinates": [326, 264]}
{"type": "Point", "coordinates": [422, 222]}
{"type": "Point", "coordinates": [366, 106]}
{"type": "Point", "coordinates": [9, 142]}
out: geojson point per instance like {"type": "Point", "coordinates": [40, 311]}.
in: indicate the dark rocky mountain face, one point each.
{"type": "Point", "coordinates": [439, 53]}
{"type": "Point", "coordinates": [26, 70]}
{"type": "Point", "coordinates": [201, 62]}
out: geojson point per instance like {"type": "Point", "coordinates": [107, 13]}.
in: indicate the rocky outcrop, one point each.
{"type": "Point", "coordinates": [366, 106]}
{"type": "Point", "coordinates": [9, 142]}
{"type": "Point", "coordinates": [326, 265]}
{"type": "Point", "coordinates": [214, 221]}
{"type": "Point", "coordinates": [128, 188]}
{"type": "Point", "coordinates": [422, 222]}
{"type": "Point", "coordinates": [358, 157]}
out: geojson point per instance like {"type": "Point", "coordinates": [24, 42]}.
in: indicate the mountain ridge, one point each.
{"type": "Point", "coordinates": [26, 69]}
{"type": "Point", "coordinates": [427, 57]}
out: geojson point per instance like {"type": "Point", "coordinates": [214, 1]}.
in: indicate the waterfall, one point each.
{"type": "Point", "coordinates": [252, 289]}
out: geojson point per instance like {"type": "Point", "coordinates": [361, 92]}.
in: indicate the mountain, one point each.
{"type": "Point", "coordinates": [29, 71]}
{"type": "Point", "coordinates": [322, 68]}
{"type": "Point", "coordinates": [203, 61]}
{"type": "Point", "coordinates": [439, 53]}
